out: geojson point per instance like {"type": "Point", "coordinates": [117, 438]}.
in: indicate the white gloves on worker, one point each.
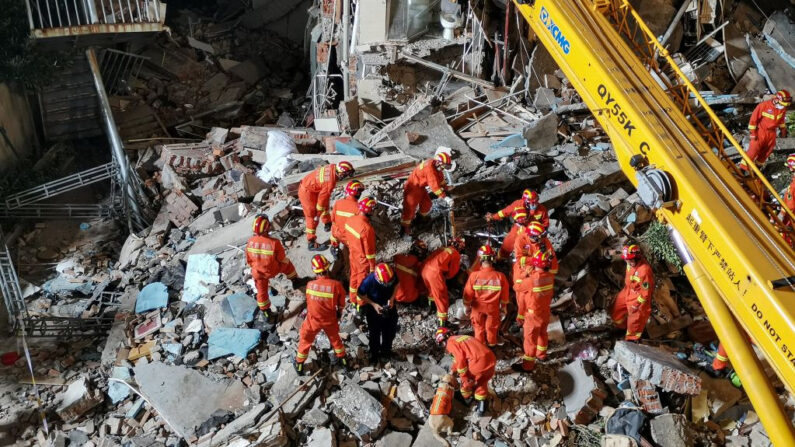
{"type": "Point", "coordinates": [449, 201]}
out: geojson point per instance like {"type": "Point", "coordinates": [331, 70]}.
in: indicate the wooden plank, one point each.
{"type": "Point", "coordinates": [366, 169]}
{"type": "Point", "coordinates": [141, 351]}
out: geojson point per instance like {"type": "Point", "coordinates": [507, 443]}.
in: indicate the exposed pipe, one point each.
{"type": "Point", "coordinates": [742, 356]}
{"type": "Point", "coordinates": [675, 22]}
{"type": "Point", "coordinates": [346, 26]}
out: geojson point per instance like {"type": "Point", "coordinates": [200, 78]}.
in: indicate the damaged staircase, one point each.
{"type": "Point", "coordinates": [69, 106]}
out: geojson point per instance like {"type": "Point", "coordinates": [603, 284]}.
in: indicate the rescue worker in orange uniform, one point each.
{"type": "Point", "coordinates": [721, 360]}
{"type": "Point", "coordinates": [534, 210]}
{"type": "Point", "coordinates": [633, 304]}
{"type": "Point", "coordinates": [360, 239]}
{"type": "Point", "coordinates": [486, 297]}
{"type": "Point", "coordinates": [538, 288]}
{"type": "Point", "coordinates": [473, 362]}
{"type": "Point", "coordinates": [314, 193]}
{"type": "Point", "coordinates": [531, 239]}
{"type": "Point", "coordinates": [325, 300]}
{"type": "Point", "coordinates": [407, 268]}
{"type": "Point", "coordinates": [427, 174]}
{"type": "Point", "coordinates": [768, 117]}
{"type": "Point", "coordinates": [441, 265]}
{"type": "Point", "coordinates": [266, 257]}
{"type": "Point", "coordinates": [344, 209]}
{"type": "Point", "coordinates": [789, 196]}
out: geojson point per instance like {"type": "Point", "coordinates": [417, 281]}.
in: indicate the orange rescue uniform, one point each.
{"type": "Point", "coordinates": [414, 194]}
{"type": "Point", "coordinates": [525, 246]}
{"type": "Point", "coordinates": [441, 265]}
{"type": "Point", "coordinates": [325, 298]}
{"type": "Point", "coordinates": [538, 288]}
{"type": "Point", "coordinates": [267, 259]}
{"type": "Point", "coordinates": [343, 210]}
{"type": "Point", "coordinates": [764, 122]}
{"type": "Point", "coordinates": [314, 193]}
{"type": "Point", "coordinates": [633, 304]}
{"type": "Point", "coordinates": [408, 269]}
{"type": "Point", "coordinates": [474, 362]}
{"type": "Point", "coordinates": [789, 196]}
{"type": "Point", "coordinates": [360, 239]}
{"type": "Point", "coordinates": [539, 215]}
{"type": "Point", "coordinates": [486, 290]}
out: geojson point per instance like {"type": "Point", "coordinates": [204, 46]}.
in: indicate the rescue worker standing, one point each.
{"type": "Point", "coordinates": [473, 362]}
{"type": "Point", "coordinates": [314, 193]}
{"type": "Point", "coordinates": [441, 265]}
{"type": "Point", "coordinates": [768, 117]}
{"type": "Point", "coordinates": [486, 297]}
{"type": "Point", "coordinates": [534, 212]}
{"type": "Point", "coordinates": [360, 239]}
{"type": "Point", "coordinates": [407, 268]}
{"type": "Point", "coordinates": [427, 174]}
{"type": "Point", "coordinates": [531, 239]}
{"type": "Point", "coordinates": [377, 294]}
{"type": "Point", "coordinates": [325, 300]}
{"type": "Point", "coordinates": [633, 304]}
{"type": "Point", "coordinates": [266, 257]}
{"type": "Point", "coordinates": [344, 209]}
{"type": "Point", "coordinates": [538, 287]}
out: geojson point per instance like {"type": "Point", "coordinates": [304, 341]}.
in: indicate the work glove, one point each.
{"type": "Point", "coordinates": [449, 201]}
{"type": "Point", "coordinates": [327, 226]}
{"type": "Point", "coordinates": [489, 217]}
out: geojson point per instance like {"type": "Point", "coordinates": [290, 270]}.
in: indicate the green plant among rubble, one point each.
{"type": "Point", "coordinates": [657, 240]}
{"type": "Point", "coordinates": [790, 120]}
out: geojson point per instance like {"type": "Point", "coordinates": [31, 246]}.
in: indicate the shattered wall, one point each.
{"type": "Point", "coordinates": [16, 126]}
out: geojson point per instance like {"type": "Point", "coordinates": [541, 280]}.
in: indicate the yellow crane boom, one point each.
{"type": "Point", "coordinates": [671, 146]}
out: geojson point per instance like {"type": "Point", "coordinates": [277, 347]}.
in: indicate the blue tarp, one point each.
{"type": "Point", "coordinates": [202, 271]}
{"type": "Point", "coordinates": [226, 340]}
{"type": "Point", "coordinates": [241, 307]}
{"type": "Point", "coordinates": [153, 296]}
{"type": "Point", "coordinates": [61, 285]}
{"type": "Point", "coordinates": [500, 153]}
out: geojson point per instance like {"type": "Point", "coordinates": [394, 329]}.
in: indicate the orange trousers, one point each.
{"type": "Point", "coordinates": [630, 315]}
{"type": "Point", "coordinates": [359, 271]}
{"type": "Point", "coordinates": [536, 338]}
{"type": "Point", "coordinates": [486, 326]}
{"type": "Point", "coordinates": [476, 380]}
{"type": "Point", "coordinates": [309, 205]}
{"type": "Point", "coordinates": [507, 243]}
{"type": "Point", "coordinates": [414, 198]}
{"type": "Point", "coordinates": [762, 146]}
{"type": "Point", "coordinates": [721, 359]}
{"type": "Point", "coordinates": [309, 331]}
{"type": "Point", "coordinates": [437, 291]}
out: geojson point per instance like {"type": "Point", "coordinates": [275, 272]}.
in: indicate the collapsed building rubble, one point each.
{"type": "Point", "coordinates": [186, 362]}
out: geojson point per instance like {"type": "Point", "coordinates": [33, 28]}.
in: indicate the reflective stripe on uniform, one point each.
{"type": "Point", "coordinates": [319, 294]}
{"type": "Point", "coordinates": [721, 358]}
{"type": "Point", "coordinates": [352, 231]}
{"type": "Point", "coordinates": [544, 288]}
{"type": "Point", "coordinates": [406, 269]}
{"type": "Point", "coordinates": [345, 214]}
{"type": "Point", "coordinates": [369, 256]}
{"type": "Point", "coordinates": [485, 287]}
{"type": "Point", "coordinates": [769, 115]}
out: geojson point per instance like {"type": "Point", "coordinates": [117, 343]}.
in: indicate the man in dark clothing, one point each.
{"type": "Point", "coordinates": [377, 294]}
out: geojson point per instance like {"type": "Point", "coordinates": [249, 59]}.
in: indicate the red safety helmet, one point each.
{"type": "Point", "coordinates": [536, 229]}
{"type": "Point", "coordinates": [367, 205]}
{"type": "Point", "coordinates": [530, 197]}
{"type": "Point", "coordinates": [783, 97]}
{"type": "Point", "coordinates": [261, 224]}
{"type": "Point", "coordinates": [791, 162]}
{"type": "Point", "coordinates": [442, 334]}
{"type": "Point", "coordinates": [419, 247]}
{"type": "Point", "coordinates": [458, 243]}
{"type": "Point", "coordinates": [354, 189]}
{"type": "Point", "coordinates": [541, 259]}
{"type": "Point", "coordinates": [320, 264]}
{"type": "Point", "coordinates": [345, 169]}
{"type": "Point", "coordinates": [520, 215]}
{"type": "Point", "coordinates": [384, 273]}
{"type": "Point", "coordinates": [486, 252]}
{"type": "Point", "coordinates": [631, 251]}
{"type": "Point", "coordinates": [443, 159]}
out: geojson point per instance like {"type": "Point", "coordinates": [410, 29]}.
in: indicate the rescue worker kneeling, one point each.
{"type": "Point", "coordinates": [441, 265]}
{"type": "Point", "coordinates": [266, 257]}
{"type": "Point", "coordinates": [538, 288]}
{"type": "Point", "coordinates": [486, 297]}
{"type": "Point", "coordinates": [473, 362]}
{"type": "Point", "coordinates": [325, 300]}
{"type": "Point", "coordinates": [377, 295]}
{"type": "Point", "coordinates": [633, 304]}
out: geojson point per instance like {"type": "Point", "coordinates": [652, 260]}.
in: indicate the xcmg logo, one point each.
{"type": "Point", "coordinates": [555, 30]}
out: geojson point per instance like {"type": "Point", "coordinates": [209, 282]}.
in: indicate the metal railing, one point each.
{"type": "Point", "coordinates": [9, 284]}
{"type": "Point", "coordinates": [59, 211]}
{"type": "Point", "coordinates": [61, 185]}
{"type": "Point", "coordinates": [46, 14]}
{"type": "Point", "coordinates": [117, 67]}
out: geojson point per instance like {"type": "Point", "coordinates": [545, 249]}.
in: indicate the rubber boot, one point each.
{"type": "Point", "coordinates": [483, 407]}
{"type": "Point", "coordinates": [314, 246]}
{"type": "Point", "coordinates": [299, 367]}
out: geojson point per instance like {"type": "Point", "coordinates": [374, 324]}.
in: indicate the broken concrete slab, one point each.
{"type": "Point", "coordinates": [153, 296]}
{"type": "Point", "coordinates": [287, 382]}
{"type": "Point", "coordinates": [582, 392]}
{"type": "Point", "coordinates": [585, 247]}
{"type": "Point", "coordinates": [426, 438]}
{"type": "Point", "coordinates": [205, 221]}
{"type": "Point", "coordinates": [394, 439]}
{"type": "Point", "coordinates": [671, 430]}
{"type": "Point", "coordinates": [543, 133]}
{"type": "Point", "coordinates": [242, 422]}
{"type": "Point", "coordinates": [322, 437]}
{"type": "Point", "coordinates": [240, 307]}
{"type": "Point", "coordinates": [354, 407]}
{"type": "Point", "coordinates": [219, 240]}
{"type": "Point", "coordinates": [78, 399]}
{"type": "Point", "coordinates": [173, 393]}
{"type": "Point", "coordinates": [657, 366]}
{"type": "Point", "coordinates": [202, 270]}
{"type": "Point", "coordinates": [119, 391]}
{"type": "Point", "coordinates": [224, 341]}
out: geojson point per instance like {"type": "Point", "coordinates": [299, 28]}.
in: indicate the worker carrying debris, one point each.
{"type": "Point", "coordinates": [266, 257]}
{"type": "Point", "coordinates": [533, 238]}
{"type": "Point", "coordinates": [441, 265]}
{"type": "Point", "coordinates": [360, 239]}
{"type": "Point", "coordinates": [486, 297]}
{"type": "Point", "coordinates": [537, 288]}
{"type": "Point", "coordinates": [343, 210]}
{"type": "Point", "coordinates": [428, 174]}
{"type": "Point", "coordinates": [314, 193]}
{"type": "Point", "coordinates": [408, 267]}
{"type": "Point", "coordinates": [632, 307]}
{"type": "Point", "coordinates": [325, 300]}
{"type": "Point", "coordinates": [768, 117]}
{"type": "Point", "coordinates": [473, 362]}
{"type": "Point", "coordinates": [534, 212]}
{"type": "Point", "coordinates": [377, 295]}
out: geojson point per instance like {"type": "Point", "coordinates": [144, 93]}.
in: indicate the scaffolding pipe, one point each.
{"type": "Point", "coordinates": [344, 61]}
{"type": "Point", "coordinates": [669, 32]}
{"type": "Point", "coordinates": [116, 144]}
